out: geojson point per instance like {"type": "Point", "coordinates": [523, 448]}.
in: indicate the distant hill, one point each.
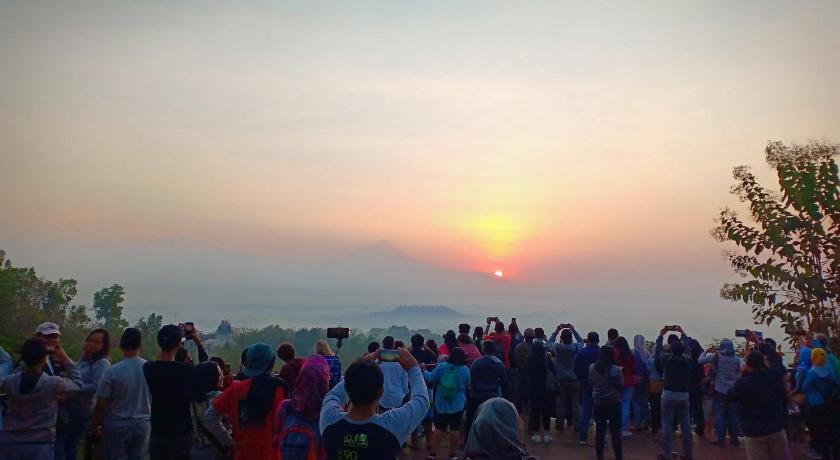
{"type": "Point", "coordinates": [436, 310]}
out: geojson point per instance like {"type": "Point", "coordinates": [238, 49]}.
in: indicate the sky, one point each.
{"type": "Point", "coordinates": [583, 147]}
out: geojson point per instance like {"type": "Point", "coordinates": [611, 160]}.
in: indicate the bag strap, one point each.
{"type": "Point", "coordinates": [207, 433]}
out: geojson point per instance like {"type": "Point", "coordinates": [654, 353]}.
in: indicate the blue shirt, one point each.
{"type": "Point", "coordinates": [456, 404]}
{"type": "Point", "coordinates": [395, 385]}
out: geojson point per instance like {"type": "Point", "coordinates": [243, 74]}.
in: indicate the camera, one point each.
{"type": "Point", "coordinates": [746, 332]}
{"type": "Point", "coordinates": [338, 332]}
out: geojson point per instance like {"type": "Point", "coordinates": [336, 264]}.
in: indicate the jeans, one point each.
{"type": "Point", "coordinates": [641, 410]}
{"type": "Point", "coordinates": [626, 400]}
{"type": "Point", "coordinates": [725, 419]}
{"type": "Point", "coordinates": [585, 411]}
{"type": "Point", "coordinates": [177, 447]}
{"type": "Point", "coordinates": [771, 447]}
{"type": "Point", "coordinates": [74, 435]}
{"type": "Point", "coordinates": [676, 411]}
{"type": "Point", "coordinates": [568, 393]}
{"type": "Point", "coordinates": [604, 414]}
{"type": "Point", "coordinates": [35, 451]}
{"type": "Point", "coordinates": [125, 440]}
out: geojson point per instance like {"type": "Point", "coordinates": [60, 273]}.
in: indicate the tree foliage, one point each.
{"type": "Point", "coordinates": [789, 252]}
{"type": "Point", "coordinates": [108, 308]}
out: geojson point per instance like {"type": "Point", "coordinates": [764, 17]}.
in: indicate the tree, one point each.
{"type": "Point", "coordinates": [108, 309]}
{"type": "Point", "coordinates": [149, 328]}
{"type": "Point", "coordinates": [790, 253]}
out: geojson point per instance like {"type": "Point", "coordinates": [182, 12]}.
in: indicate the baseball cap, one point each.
{"type": "Point", "coordinates": [47, 329]}
{"type": "Point", "coordinates": [169, 336]}
{"type": "Point", "coordinates": [257, 359]}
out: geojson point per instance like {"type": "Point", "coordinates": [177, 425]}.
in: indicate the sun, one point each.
{"type": "Point", "coordinates": [499, 273]}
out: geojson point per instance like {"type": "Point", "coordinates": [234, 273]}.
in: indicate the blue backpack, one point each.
{"type": "Point", "coordinates": [297, 438]}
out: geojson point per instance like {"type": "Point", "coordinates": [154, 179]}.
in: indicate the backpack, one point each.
{"type": "Point", "coordinates": [295, 437]}
{"type": "Point", "coordinates": [448, 386]}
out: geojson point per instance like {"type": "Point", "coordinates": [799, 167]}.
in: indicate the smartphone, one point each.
{"type": "Point", "coordinates": [338, 333]}
{"type": "Point", "coordinates": [389, 355]}
{"type": "Point", "coordinates": [745, 332]}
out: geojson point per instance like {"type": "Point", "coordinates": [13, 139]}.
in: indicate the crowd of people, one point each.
{"type": "Point", "coordinates": [475, 391]}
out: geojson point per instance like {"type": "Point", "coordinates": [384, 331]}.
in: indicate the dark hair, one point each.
{"type": "Point", "coordinates": [755, 360]}
{"type": "Point", "coordinates": [373, 346]}
{"type": "Point", "coordinates": [261, 394]}
{"type": "Point", "coordinates": [457, 357]}
{"type": "Point", "coordinates": [499, 327]}
{"type": "Point", "coordinates": [450, 340]}
{"type": "Point", "coordinates": [606, 359]}
{"type": "Point", "coordinates": [388, 343]}
{"type": "Point", "coordinates": [539, 332]}
{"type": "Point", "coordinates": [592, 338]}
{"type": "Point", "coordinates": [612, 334]}
{"type": "Point", "coordinates": [243, 357]}
{"type": "Point", "coordinates": [463, 328]}
{"type": "Point", "coordinates": [513, 329]}
{"type": "Point", "coordinates": [623, 348]}
{"type": "Point", "coordinates": [398, 344]}
{"type": "Point", "coordinates": [286, 351]}
{"type": "Point", "coordinates": [131, 339]}
{"type": "Point", "coordinates": [106, 344]}
{"type": "Point", "coordinates": [432, 346]}
{"type": "Point", "coordinates": [464, 339]}
{"type": "Point", "coordinates": [205, 379]}
{"type": "Point", "coordinates": [33, 351]}
{"type": "Point", "coordinates": [676, 348]}
{"type": "Point", "coordinates": [363, 381]}
{"type": "Point", "coordinates": [417, 341]}
{"type": "Point", "coordinates": [673, 338]}
{"type": "Point", "coordinates": [221, 362]}
{"type": "Point", "coordinates": [566, 336]}
{"type": "Point", "coordinates": [489, 347]}
{"type": "Point", "coordinates": [478, 332]}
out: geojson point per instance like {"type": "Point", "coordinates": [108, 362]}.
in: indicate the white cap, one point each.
{"type": "Point", "coordinates": [47, 329]}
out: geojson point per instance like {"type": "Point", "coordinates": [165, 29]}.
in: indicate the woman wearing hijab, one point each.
{"type": "Point", "coordinates": [296, 431]}
{"type": "Point", "coordinates": [641, 410]}
{"type": "Point", "coordinates": [251, 406]}
{"type": "Point", "coordinates": [539, 376]}
{"type": "Point", "coordinates": [820, 385]}
{"type": "Point", "coordinates": [494, 434]}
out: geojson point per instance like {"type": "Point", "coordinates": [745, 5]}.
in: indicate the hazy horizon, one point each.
{"type": "Point", "coordinates": [245, 159]}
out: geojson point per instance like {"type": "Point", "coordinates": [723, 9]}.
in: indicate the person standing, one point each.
{"type": "Point", "coordinates": [568, 387]}
{"type": "Point", "coordinates": [520, 356]}
{"type": "Point", "coordinates": [819, 386]}
{"type": "Point", "coordinates": [358, 432]}
{"type": "Point", "coordinates": [627, 363]}
{"type": "Point", "coordinates": [726, 370]}
{"type": "Point", "coordinates": [251, 406]}
{"type": "Point", "coordinates": [121, 415]}
{"type": "Point", "coordinates": [296, 432]}
{"type": "Point", "coordinates": [607, 384]}
{"type": "Point", "coordinates": [488, 379]}
{"type": "Point", "coordinates": [396, 380]}
{"type": "Point", "coordinates": [761, 402]}
{"type": "Point", "coordinates": [586, 357]}
{"type": "Point", "coordinates": [91, 366]}
{"type": "Point", "coordinates": [30, 422]}
{"type": "Point", "coordinates": [540, 376]}
{"type": "Point", "coordinates": [641, 409]}
{"type": "Point", "coordinates": [323, 348]}
{"type": "Point", "coordinates": [452, 379]}
{"type": "Point", "coordinates": [675, 367]}
{"type": "Point", "coordinates": [291, 368]}
{"type": "Point", "coordinates": [207, 386]}
{"type": "Point", "coordinates": [170, 387]}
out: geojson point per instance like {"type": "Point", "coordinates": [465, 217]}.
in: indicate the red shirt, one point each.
{"type": "Point", "coordinates": [501, 341]}
{"type": "Point", "coordinates": [256, 441]}
{"type": "Point", "coordinates": [627, 366]}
